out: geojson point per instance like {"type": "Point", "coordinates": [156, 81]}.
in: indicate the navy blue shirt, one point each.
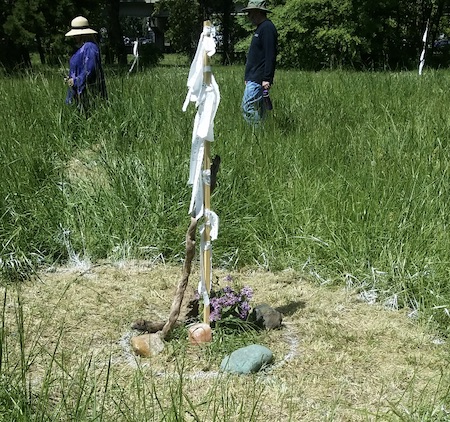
{"type": "Point", "coordinates": [262, 54]}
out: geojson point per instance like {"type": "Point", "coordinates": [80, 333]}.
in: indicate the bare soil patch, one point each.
{"type": "Point", "coordinates": [336, 358]}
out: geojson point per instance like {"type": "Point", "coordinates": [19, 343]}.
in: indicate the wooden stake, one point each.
{"type": "Point", "coordinates": [206, 234]}
{"type": "Point", "coordinates": [207, 193]}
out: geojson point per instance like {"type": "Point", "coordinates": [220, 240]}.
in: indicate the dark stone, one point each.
{"type": "Point", "coordinates": [266, 317]}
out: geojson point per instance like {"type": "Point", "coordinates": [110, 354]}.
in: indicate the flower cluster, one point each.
{"type": "Point", "coordinates": [228, 302]}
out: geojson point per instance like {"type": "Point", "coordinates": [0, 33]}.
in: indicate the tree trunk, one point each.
{"type": "Point", "coordinates": [115, 34]}
{"type": "Point", "coordinates": [226, 22]}
{"type": "Point", "coordinates": [40, 49]}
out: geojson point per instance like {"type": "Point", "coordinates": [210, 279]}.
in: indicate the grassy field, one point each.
{"type": "Point", "coordinates": [347, 183]}
{"type": "Point", "coordinates": [348, 180]}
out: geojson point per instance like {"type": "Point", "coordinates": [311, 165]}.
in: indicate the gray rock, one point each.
{"type": "Point", "coordinates": [267, 317]}
{"type": "Point", "coordinates": [246, 360]}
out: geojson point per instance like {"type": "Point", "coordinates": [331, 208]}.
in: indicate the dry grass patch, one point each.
{"type": "Point", "coordinates": [335, 359]}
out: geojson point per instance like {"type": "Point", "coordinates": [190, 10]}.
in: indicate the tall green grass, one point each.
{"type": "Point", "coordinates": [347, 181]}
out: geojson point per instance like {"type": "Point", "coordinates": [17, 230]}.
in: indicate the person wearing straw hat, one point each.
{"type": "Point", "coordinates": [260, 63]}
{"type": "Point", "coordinates": [86, 79]}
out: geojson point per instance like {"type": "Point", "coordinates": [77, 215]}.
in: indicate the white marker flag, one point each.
{"type": "Point", "coordinates": [135, 54]}
{"type": "Point", "coordinates": [422, 55]}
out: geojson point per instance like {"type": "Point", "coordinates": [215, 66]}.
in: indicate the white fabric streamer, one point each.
{"type": "Point", "coordinates": [213, 220]}
{"type": "Point", "coordinates": [207, 100]}
{"type": "Point", "coordinates": [135, 54]}
{"type": "Point", "coordinates": [202, 290]}
{"type": "Point", "coordinates": [422, 55]}
{"type": "Point", "coordinates": [206, 44]}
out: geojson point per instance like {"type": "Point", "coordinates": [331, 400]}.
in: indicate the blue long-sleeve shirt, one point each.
{"type": "Point", "coordinates": [86, 71]}
{"type": "Point", "coordinates": [261, 57]}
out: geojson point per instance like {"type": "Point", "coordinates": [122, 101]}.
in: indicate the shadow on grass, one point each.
{"type": "Point", "coordinates": [291, 307]}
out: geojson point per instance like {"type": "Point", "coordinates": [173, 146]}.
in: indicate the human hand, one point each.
{"type": "Point", "coordinates": [68, 81]}
{"type": "Point", "coordinates": [266, 85]}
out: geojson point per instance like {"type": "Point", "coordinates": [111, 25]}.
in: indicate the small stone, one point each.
{"type": "Point", "coordinates": [246, 360]}
{"type": "Point", "coordinates": [266, 317]}
{"type": "Point", "coordinates": [147, 345]}
{"type": "Point", "coordinates": [199, 333]}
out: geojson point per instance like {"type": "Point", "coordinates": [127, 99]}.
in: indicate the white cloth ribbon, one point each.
{"type": "Point", "coordinates": [213, 222]}
{"type": "Point", "coordinates": [135, 54]}
{"type": "Point", "coordinates": [206, 98]}
{"type": "Point", "coordinates": [202, 290]}
{"type": "Point", "coordinates": [206, 44]}
{"type": "Point", "coordinates": [422, 55]}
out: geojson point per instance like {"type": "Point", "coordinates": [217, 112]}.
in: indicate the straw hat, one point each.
{"type": "Point", "coordinates": [80, 26]}
{"type": "Point", "coordinates": [256, 4]}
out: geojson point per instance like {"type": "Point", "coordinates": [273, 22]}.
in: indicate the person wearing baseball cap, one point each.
{"type": "Point", "coordinates": [86, 80]}
{"type": "Point", "coordinates": [260, 63]}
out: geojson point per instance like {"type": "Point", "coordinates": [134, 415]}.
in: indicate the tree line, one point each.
{"type": "Point", "coordinates": [313, 34]}
{"type": "Point", "coordinates": [28, 26]}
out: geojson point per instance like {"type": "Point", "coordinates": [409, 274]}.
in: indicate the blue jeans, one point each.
{"type": "Point", "coordinates": [252, 106]}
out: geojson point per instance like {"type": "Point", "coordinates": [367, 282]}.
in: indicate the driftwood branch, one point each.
{"type": "Point", "coordinates": [149, 326]}
{"type": "Point", "coordinates": [214, 170]}
{"type": "Point", "coordinates": [190, 253]}
{"type": "Point", "coordinates": [176, 303]}
{"type": "Point", "coordinates": [166, 327]}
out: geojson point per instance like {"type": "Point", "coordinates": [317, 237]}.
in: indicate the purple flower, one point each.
{"type": "Point", "coordinates": [230, 299]}
{"type": "Point", "coordinates": [227, 290]}
{"type": "Point", "coordinates": [214, 315]}
{"type": "Point", "coordinates": [247, 292]}
{"type": "Point", "coordinates": [244, 310]}
{"type": "Point", "coordinates": [229, 303]}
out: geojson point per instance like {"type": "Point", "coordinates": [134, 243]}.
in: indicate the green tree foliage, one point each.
{"type": "Point", "coordinates": [30, 25]}
{"type": "Point", "coordinates": [222, 13]}
{"type": "Point", "coordinates": [361, 34]}
{"type": "Point", "coordinates": [184, 24]}
{"type": "Point", "coordinates": [318, 34]}
{"type": "Point", "coordinates": [390, 31]}
{"type": "Point", "coordinates": [314, 34]}
{"type": "Point", "coordinates": [25, 20]}
{"type": "Point", "coordinates": [20, 22]}
{"type": "Point", "coordinates": [39, 25]}
{"type": "Point", "coordinates": [186, 21]}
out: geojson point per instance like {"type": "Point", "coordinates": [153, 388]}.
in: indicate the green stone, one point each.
{"type": "Point", "coordinates": [246, 360]}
